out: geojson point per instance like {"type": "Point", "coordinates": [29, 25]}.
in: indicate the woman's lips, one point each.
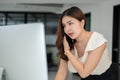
{"type": "Point", "coordinates": [70, 34]}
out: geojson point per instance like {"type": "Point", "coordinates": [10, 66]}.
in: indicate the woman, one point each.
{"type": "Point", "coordinates": [84, 53]}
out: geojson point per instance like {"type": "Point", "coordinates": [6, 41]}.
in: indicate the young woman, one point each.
{"type": "Point", "coordinates": [84, 53]}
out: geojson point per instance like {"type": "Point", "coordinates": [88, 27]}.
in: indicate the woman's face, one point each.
{"type": "Point", "coordinates": [72, 26]}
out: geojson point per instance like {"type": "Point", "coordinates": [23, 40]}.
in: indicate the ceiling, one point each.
{"type": "Point", "coordinates": [52, 1]}
{"type": "Point", "coordinates": [43, 5]}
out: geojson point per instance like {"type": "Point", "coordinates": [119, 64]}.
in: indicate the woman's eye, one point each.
{"type": "Point", "coordinates": [70, 23]}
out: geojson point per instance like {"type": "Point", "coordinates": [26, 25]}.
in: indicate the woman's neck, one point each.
{"type": "Point", "coordinates": [82, 37]}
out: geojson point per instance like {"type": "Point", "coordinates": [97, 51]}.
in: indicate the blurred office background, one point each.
{"type": "Point", "coordinates": [102, 16]}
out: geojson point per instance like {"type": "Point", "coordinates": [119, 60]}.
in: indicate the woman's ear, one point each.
{"type": "Point", "coordinates": [82, 22]}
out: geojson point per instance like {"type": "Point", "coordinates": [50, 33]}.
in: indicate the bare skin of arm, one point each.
{"type": "Point", "coordinates": [62, 71]}
{"type": "Point", "coordinates": [93, 59]}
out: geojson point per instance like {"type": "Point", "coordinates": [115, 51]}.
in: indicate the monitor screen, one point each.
{"type": "Point", "coordinates": [23, 52]}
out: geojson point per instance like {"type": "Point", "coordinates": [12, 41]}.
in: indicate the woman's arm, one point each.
{"type": "Point", "coordinates": [62, 71]}
{"type": "Point", "coordinates": [92, 60]}
{"type": "Point", "coordinates": [84, 69]}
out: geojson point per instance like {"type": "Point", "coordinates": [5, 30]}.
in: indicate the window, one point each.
{"type": "Point", "coordinates": [88, 19]}
{"type": "Point", "coordinates": [35, 17]}
{"type": "Point", "coordinates": [51, 23]}
{"type": "Point", "coordinates": [15, 18]}
{"type": "Point", "coordinates": [2, 19]}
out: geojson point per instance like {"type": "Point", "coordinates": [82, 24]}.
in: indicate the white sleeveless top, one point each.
{"type": "Point", "coordinates": [94, 42]}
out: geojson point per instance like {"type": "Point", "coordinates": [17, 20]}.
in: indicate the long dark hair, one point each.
{"type": "Point", "coordinates": [76, 13]}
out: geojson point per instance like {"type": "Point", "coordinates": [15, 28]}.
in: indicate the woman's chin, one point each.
{"type": "Point", "coordinates": [72, 37]}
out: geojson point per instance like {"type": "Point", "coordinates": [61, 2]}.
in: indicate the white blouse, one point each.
{"type": "Point", "coordinates": [94, 42]}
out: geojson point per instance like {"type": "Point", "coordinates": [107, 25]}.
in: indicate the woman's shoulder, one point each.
{"type": "Point", "coordinates": [97, 34]}
{"type": "Point", "coordinates": [96, 40]}
{"type": "Point", "coordinates": [98, 37]}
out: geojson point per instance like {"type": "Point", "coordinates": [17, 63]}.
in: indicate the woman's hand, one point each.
{"type": "Point", "coordinates": [65, 44]}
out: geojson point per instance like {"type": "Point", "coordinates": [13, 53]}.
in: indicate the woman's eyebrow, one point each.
{"type": "Point", "coordinates": [69, 21]}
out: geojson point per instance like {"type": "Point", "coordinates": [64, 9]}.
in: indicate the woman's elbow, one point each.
{"type": "Point", "coordinates": [84, 75]}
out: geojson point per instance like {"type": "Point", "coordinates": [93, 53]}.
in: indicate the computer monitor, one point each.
{"type": "Point", "coordinates": [23, 52]}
